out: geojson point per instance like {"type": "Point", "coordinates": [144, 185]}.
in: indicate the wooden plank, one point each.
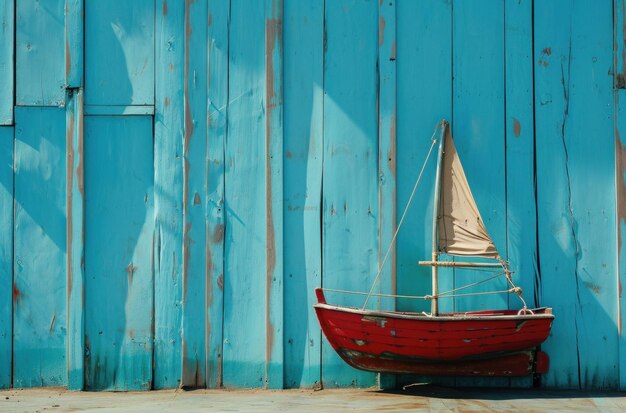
{"type": "Point", "coordinates": [168, 183]}
{"type": "Point", "coordinates": [303, 134]}
{"type": "Point", "coordinates": [40, 43]}
{"type": "Point", "coordinates": [75, 234]}
{"type": "Point", "coordinates": [350, 198]}
{"type": "Point", "coordinates": [274, 348]}
{"type": "Point", "coordinates": [430, 61]}
{"type": "Point", "coordinates": [576, 207]}
{"type": "Point", "coordinates": [119, 248]}
{"type": "Point", "coordinates": [119, 52]}
{"type": "Point", "coordinates": [620, 175]}
{"type": "Point", "coordinates": [219, 15]}
{"type": "Point", "coordinates": [194, 195]}
{"type": "Point", "coordinates": [111, 110]}
{"type": "Point", "coordinates": [521, 211]}
{"type": "Point", "coordinates": [74, 36]}
{"type": "Point", "coordinates": [387, 159]}
{"type": "Point", "coordinates": [620, 172]}
{"type": "Point", "coordinates": [478, 128]}
{"type": "Point", "coordinates": [7, 61]}
{"type": "Point", "coordinates": [6, 255]}
{"type": "Point", "coordinates": [479, 131]}
{"type": "Point", "coordinates": [245, 243]}
{"type": "Point", "coordinates": [39, 299]}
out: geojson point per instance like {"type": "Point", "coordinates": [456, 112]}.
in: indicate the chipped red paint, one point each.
{"type": "Point", "coordinates": [547, 51]}
{"type": "Point", "coordinates": [381, 30]}
{"type": "Point", "coordinates": [164, 11]}
{"type": "Point", "coordinates": [402, 342]}
{"type": "Point", "coordinates": [16, 293]}
{"type": "Point", "coordinates": [517, 127]}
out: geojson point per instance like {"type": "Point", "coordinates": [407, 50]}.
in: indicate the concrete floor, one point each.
{"type": "Point", "coordinates": [425, 398]}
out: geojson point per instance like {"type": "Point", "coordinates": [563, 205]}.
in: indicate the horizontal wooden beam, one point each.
{"type": "Point", "coordinates": [458, 264]}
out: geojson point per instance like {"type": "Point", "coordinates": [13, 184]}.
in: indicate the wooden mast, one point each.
{"type": "Point", "coordinates": [435, 251]}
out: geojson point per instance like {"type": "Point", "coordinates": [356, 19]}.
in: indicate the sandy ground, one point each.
{"type": "Point", "coordinates": [422, 398]}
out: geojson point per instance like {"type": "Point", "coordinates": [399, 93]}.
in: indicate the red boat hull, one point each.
{"type": "Point", "coordinates": [492, 343]}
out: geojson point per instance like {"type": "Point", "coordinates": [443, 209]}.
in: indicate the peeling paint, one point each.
{"type": "Point", "coordinates": [381, 30]}
{"type": "Point", "coordinates": [517, 127]}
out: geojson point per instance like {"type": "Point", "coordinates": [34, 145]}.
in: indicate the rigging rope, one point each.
{"type": "Point", "coordinates": [408, 204]}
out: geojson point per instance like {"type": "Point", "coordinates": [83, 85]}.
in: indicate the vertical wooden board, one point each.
{"type": "Point", "coordinates": [7, 62]}
{"type": "Point", "coordinates": [168, 192]}
{"type": "Point", "coordinates": [619, 38]}
{"type": "Point", "coordinates": [620, 176]}
{"type": "Point", "coordinates": [39, 348]}
{"type": "Point", "coordinates": [6, 254]}
{"type": "Point", "coordinates": [40, 38]}
{"type": "Point", "coordinates": [350, 198]}
{"type": "Point", "coordinates": [424, 97]}
{"type": "Point", "coordinates": [521, 211]}
{"type": "Point", "coordinates": [520, 174]}
{"type": "Point", "coordinates": [119, 52]}
{"type": "Point", "coordinates": [74, 46]}
{"type": "Point", "coordinates": [303, 129]}
{"type": "Point", "coordinates": [119, 226]}
{"type": "Point", "coordinates": [479, 131]}
{"type": "Point", "coordinates": [194, 195]}
{"type": "Point", "coordinates": [576, 204]}
{"type": "Point", "coordinates": [387, 160]}
{"type": "Point", "coordinates": [219, 16]}
{"type": "Point", "coordinates": [245, 246]}
{"type": "Point", "coordinates": [274, 349]}
{"type": "Point", "coordinates": [74, 207]}
{"type": "Point", "coordinates": [387, 149]}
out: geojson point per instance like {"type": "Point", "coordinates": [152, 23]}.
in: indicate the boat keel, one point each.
{"type": "Point", "coordinates": [512, 365]}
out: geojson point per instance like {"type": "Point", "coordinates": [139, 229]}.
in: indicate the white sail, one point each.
{"type": "Point", "coordinates": [460, 227]}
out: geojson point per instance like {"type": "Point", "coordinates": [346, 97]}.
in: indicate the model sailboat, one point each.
{"type": "Point", "coordinates": [480, 343]}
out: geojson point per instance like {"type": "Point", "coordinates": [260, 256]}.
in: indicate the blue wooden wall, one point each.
{"type": "Point", "coordinates": [177, 176]}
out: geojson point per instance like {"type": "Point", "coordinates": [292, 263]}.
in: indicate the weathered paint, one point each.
{"type": "Point", "coordinates": [576, 205]}
{"type": "Point", "coordinates": [218, 43]}
{"type": "Point", "coordinates": [7, 61]}
{"type": "Point", "coordinates": [194, 194]}
{"type": "Point", "coordinates": [350, 216]}
{"type": "Point", "coordinates": [6, 255]}
{"type": "Point", "coordinates": [432, 61]}
{"type": "Point", "coordinates": [253, 193]}
{"type": "Point", "coordinates": [619, 49]}
{"type": "Point", "coordinates": [119, 242]}
{"type": "Point", "coordinates": [119, 52]}
{"type": "Point", "coordinates": [274, 353]}
{"type": "Point", "coordinates": [75, 235]}
{"type": "Point", "coordinates": [303, 146]}
{"type": "Point", "coordinates": [245, 259]}
{"type": "Point", "coordinates": [39, 283]}
{"type": "Point", "coordinates": [521, 212]}
{"type": "Point", "coordinates": [40, 57]}
{"type": "Point", "coordinates": [168, 184]}
{"type": "Point", "coordinates": [74, 47]}
{"type": "Point", "coordinates": [387, 157]}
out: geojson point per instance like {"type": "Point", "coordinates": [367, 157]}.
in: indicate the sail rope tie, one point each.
{"type": "Point", "coordinates": [406, 208]}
